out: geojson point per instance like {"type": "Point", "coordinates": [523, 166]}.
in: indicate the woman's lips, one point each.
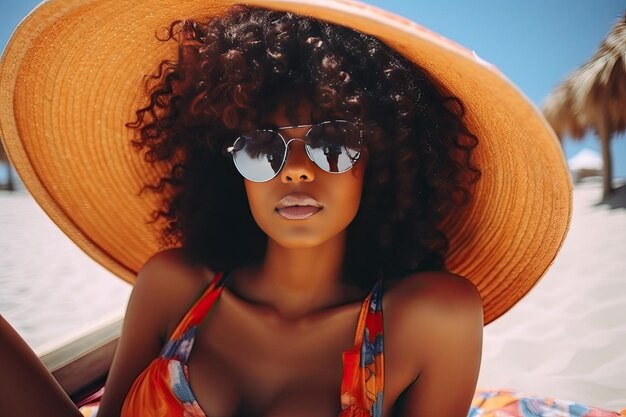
{"type": "Point", "coordinates": [298, 206]}
{"type": "Point", "coordinates": [298, 212]}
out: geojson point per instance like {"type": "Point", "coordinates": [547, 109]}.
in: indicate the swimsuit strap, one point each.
{"type": "Point", "coordinates": [363, 365]}
{"type": "Point", "coordinates": [181, 341]}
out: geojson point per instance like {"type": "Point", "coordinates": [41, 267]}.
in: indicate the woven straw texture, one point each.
{"type": "Point", "coordinates": [71, 77]}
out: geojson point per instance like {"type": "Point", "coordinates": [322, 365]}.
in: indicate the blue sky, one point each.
{"type": "Point", "coordinates": [535, 43]}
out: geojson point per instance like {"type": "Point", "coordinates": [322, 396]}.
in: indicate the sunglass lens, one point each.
{"type": "Point", "coordinates": [334, 146]}
{"type": "Point", "coordinates": [259, 155]}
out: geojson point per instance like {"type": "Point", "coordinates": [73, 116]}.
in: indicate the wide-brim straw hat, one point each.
{"type": "Point", "coordinates": [72, 76]}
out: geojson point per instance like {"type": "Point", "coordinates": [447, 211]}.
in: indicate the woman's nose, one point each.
{"type": "Point", "coordinates": [298, 167]}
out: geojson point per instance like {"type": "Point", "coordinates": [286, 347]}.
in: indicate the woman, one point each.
{"type": "Point", "coordinates": [310, 121]}
{"type": "Point", "coordinates": [309, 174]}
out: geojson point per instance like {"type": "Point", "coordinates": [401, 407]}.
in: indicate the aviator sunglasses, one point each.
{"type": "Point", "coordinates": [334, 146]}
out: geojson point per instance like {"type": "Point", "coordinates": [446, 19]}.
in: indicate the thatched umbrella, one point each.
{"type": "Point", "coordinates": [593, 97]}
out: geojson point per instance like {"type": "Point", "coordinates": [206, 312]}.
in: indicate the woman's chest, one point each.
{"type": "Point", "coordinates": [245, 365]}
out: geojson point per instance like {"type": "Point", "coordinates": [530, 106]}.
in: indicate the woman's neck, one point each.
{"type": "Point", "coordinates": [295, 283]}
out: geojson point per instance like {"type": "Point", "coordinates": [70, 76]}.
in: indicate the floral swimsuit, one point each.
{"type": "Point", "coordinates": [162, 389]}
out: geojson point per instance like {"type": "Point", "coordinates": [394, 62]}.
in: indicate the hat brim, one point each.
{"type": "Point", "coordinates": [71, 77]}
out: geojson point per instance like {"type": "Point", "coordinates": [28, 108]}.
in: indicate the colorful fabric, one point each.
{"type": "Point", "coordinates": [90, 410]}
{"type": "Point", "coordinates": [363, 365]}
{"type": "Point", "coordinates": [506, 403]}
{"type": "Point", "coordinates": [162, 389]}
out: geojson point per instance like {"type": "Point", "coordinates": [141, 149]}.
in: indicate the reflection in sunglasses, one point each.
{"type": "Point", "coordinates": [334, 146]}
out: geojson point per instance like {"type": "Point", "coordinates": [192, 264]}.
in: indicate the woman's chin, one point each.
{"type": "Point", "coordinates": [302, 238]}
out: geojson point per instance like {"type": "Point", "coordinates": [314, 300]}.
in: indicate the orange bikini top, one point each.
{"type": "Point", "coordinates": [163, 389]}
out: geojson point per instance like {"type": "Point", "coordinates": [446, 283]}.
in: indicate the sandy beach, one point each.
{"type": "Point", "coordinates": [49, 289]}
{"type": "Point", "coordinates": [566, 339]}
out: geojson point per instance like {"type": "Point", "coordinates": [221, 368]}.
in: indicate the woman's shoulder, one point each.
{"type": "Point", "coordinates": [166, 287]}
{"type": "Point", "coordinates": [171, 269]}
{"type": "Point", "coordinates": [168, 280]}
{"type": "Point", "coordinates": [433, 334]}
{"type": "Point", "coordinates": [433, 293]}
{"type": "Point", "coordinates": [429, 309]}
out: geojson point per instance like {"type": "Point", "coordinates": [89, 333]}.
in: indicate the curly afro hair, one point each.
{"type": "Point", "coordinates": [233, 70]}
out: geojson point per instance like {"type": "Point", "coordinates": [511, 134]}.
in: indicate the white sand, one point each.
{"type": "Point", "coordinates": [49, 289]}
{"type": "Point", "coordinates": [566, 339]}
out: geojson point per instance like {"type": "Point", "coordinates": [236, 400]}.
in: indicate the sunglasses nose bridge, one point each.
{"type": "Point", "coordinates": [298, 165]}
{"type": "Point", "coordinates": [287, 142]}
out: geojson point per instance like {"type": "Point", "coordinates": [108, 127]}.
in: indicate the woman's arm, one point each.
{"type": "Point", "coordinates": [26, 386]}
{"type": "Point", "coordinates": [442, 324]}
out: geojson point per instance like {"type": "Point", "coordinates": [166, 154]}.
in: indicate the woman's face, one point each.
{"type": "Point", "coordinates": [326, 202]}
